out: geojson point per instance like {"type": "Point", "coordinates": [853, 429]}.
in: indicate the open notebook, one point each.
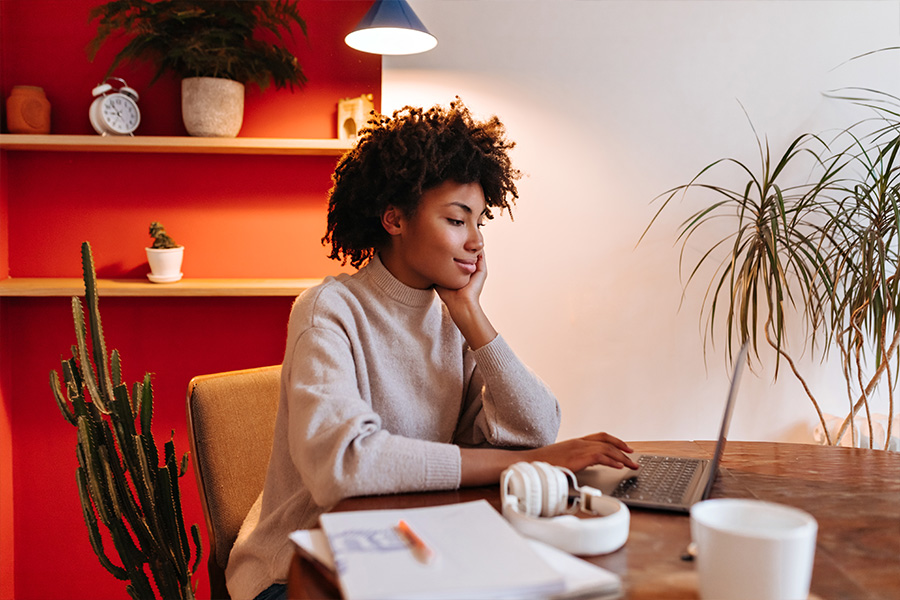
{"type": "Point", "coordinates": [476, 555]}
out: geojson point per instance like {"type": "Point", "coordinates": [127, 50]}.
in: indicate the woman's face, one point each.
{"type": "Point", "coordinates": [439, 244]}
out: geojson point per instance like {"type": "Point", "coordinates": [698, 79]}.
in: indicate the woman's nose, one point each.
{"type": "Point", "coordinates": [476, 240]}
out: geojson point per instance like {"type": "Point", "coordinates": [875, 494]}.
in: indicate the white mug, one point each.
{"type": "Point", "coordinates": [750, 549]}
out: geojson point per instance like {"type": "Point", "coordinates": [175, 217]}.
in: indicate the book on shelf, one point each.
{"type": "Point", "coordinates": [465, 550]}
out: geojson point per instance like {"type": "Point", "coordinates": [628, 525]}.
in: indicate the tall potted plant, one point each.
{"type": "Point", "coordinates": [126, 495]}
{"type": "Point", "coordinates": [215, 46]}
{"type": "Point", "coordinates": [824, 249]}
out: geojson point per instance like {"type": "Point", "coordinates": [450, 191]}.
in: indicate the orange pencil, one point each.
{"type": "Point", "coordinates": [422, 551]}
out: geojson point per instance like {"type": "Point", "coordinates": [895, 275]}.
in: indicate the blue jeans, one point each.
{"type": "Point", "coordinates": [276, 591]}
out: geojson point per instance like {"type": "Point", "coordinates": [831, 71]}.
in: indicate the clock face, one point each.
{"type": "Point", "coordinates": [120, 113]}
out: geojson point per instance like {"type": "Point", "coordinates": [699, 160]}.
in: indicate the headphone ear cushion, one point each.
{"type": "Point", "coordinates": [554, 490]}
{"type": "Point", "coordinates": [525, 484]}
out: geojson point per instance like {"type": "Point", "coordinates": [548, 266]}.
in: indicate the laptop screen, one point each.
{"type": "Point", "coordinates": [726, 419]}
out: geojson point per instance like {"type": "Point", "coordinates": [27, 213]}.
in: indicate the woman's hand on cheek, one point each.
{"type": "Point", "coordinates": [469, 294]}
{"type": "Point", "coordinates": [465, 309]}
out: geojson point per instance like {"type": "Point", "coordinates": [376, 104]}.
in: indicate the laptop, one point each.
{"type": "Point", "coordinates": [667, 482]}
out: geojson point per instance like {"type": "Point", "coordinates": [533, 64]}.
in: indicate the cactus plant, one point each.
{"type": "Point", "coordinates": [161, 239]}
{"type": "Point", "coordinates": [120, 482]}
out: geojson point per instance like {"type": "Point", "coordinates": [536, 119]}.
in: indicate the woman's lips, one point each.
{"type": "Point", "coordinates": [468, 267]}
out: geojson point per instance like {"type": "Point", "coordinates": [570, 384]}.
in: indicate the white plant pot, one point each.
{"type": "Point", "coordinates": [165, 264]}
{"type": "Point", "coordinates": [212, 107]}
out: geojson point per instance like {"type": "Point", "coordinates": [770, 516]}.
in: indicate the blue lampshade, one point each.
{"type": "Point", "coordinates": [391, 27]}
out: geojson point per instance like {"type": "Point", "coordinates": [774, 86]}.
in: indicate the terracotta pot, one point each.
{"type": "Point", "coordinates": [212, 107]}
{"type": "Point", "coordinates": [28, 110]}
{"type": "Point", "coordinates": [165, 264]}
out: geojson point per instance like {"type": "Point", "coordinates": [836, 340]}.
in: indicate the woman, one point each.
{"type": "Point", "coordinates": [394, 379]}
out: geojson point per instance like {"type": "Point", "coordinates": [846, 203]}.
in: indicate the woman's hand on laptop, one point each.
{"type": "Point", "coordinates": [579, 453]}
{"type": "Point", "coordinates": [482, 466]}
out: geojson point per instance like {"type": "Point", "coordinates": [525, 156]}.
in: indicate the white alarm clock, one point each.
{"type": "Point", "coordinates": [114, 110]}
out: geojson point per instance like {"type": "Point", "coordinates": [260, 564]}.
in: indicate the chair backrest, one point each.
{"type": "Point", "coordinates": [231, 423]}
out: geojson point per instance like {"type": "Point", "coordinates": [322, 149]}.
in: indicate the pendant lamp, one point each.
{"type": "Point", "coordinates": [391, 27]}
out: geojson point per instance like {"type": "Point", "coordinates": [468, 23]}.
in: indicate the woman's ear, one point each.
{"type": "Point", "coordinates": [392, 220]}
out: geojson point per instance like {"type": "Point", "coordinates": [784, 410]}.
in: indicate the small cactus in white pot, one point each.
{"type": "Point", "coordinates": [164, 256]}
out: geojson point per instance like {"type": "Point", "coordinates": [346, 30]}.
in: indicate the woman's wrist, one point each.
{"type": "Point", "coordinates": [483, 466]}
{"type": "Point", "coordinates": [475, 326]}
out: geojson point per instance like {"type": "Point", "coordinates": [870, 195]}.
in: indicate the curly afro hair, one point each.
{"type": "Point", "coordinates": [398, 158]}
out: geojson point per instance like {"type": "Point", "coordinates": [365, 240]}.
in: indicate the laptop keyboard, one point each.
{"type": "Point", "coordinates": [660, 479]}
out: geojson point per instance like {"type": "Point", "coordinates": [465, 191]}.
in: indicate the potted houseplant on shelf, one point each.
{"type": "Point", "coordinates": [164, 256]}
{"type": "Point", "coordinates": [215, 46]}
{"type": "Point", "coordinates": [821, 250]}
{"type": "Point", "coordinates": [124, 491]}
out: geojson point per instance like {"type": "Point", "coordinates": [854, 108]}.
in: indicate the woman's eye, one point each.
{"type": "Point", "coordinates": [456, 222]}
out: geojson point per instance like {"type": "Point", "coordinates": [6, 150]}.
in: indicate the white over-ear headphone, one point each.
{"type": "Point", "coordinates": [536, 502]}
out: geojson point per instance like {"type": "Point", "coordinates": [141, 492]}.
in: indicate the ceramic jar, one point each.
{"type": "Point", "coordinates": [212, 107]}
{"type": "Point", "coordinates": [28, 110]}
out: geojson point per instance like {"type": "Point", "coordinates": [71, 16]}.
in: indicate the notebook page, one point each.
{"type": "Point", "coordinates": [477, 554]}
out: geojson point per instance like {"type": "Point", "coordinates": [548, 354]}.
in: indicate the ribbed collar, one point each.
{"type": "Point", "coordinates": [394, 288]}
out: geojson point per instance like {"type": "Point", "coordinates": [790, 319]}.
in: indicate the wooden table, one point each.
{"type": "Point", "coordinates": [854, 495]}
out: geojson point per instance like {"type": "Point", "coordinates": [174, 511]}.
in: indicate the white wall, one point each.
{"type": "Point", "coordinates": [612, 103]}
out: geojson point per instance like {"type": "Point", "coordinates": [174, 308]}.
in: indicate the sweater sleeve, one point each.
{"type": "Point", "coordinates": [507, 405]}
{"type": "Point", "coordinates": [336, 440]}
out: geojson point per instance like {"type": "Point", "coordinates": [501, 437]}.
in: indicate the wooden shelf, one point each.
{"type": "Point", "coordinates": [59, 286]}
{"type": "Point", "coordinates": [173, 144]}
{"type": "Point", "coordinates": [49, 286]}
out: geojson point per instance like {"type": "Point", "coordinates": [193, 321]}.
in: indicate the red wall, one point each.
{"type": "Point", "coordinates": [238, 216]}
{"type": "Point", "coordinates": [7, 520]}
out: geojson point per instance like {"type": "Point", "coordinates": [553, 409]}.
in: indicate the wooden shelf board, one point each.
{"type": "Point", "coordinates": [65, 286]}
{"type": "Point", "coordinates": [174, 144]}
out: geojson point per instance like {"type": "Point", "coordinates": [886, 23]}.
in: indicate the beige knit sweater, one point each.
{"type": "Point", "coordinates": [378, 391]}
